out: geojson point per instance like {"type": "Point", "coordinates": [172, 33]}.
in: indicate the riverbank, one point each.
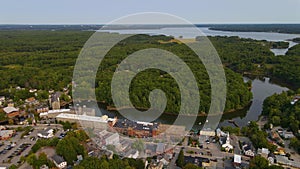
{"type": "Point", "coordinates": [201, 114]}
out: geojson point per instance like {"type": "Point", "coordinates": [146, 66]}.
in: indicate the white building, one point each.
{"type": "Point", "coordinates": [207, 132]}
{"type": "Point", "coordinates": [59, 161]}
{"type": "Point", "coordinates": [287, 134]}
{"type": "Point", "coordinates": [47, 133]}
{"type": "Point", "coordinates": [247, 149]}
{"type": "Point", "coordinates": [264, 152]}
{"type": "Point", "coordinates": [237, 160]}
{"type": "Point", "coordinates": [226, 143]}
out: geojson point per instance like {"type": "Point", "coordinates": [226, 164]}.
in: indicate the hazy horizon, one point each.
{"type": "Point", "coordinates": [70, 12]}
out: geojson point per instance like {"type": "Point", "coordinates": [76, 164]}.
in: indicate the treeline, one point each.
{"type": "Point", "coordinates": [45, 60]}
{"type": "Point", "coordinates": [280, 28]}
{"type": "Point", "coordinates": [281, 112]}
{"type": "Point", "coordinates": [238, 92]}
{"type": "Point", "coordinates": [39, 59]}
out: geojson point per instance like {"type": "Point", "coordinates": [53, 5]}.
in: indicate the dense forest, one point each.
{"type": "Point", "coordinates": [45, 60]}
{"type": "Point", "coordinates": [282, 113]}
{"type": "Point", "coordinates": [252, 57]}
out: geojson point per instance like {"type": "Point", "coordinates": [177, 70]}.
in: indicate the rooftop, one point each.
{"type": "Point", "coordinates": [58, 159]}
{"type": "Point", "coordinates": [125, 123]}
{"type": "Point", "coordinates": [237, 159]}
{"type": "Point", "coordinates": [10, 109]}
{"type": "Point", "coordinates": [102, 119]}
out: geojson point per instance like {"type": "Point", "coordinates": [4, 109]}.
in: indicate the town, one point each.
{"type": "Point", "coordinates": [34, 129]}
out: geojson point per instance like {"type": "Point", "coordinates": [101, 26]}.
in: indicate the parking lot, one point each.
{"type": "Point", "coordinates": [11, 150]}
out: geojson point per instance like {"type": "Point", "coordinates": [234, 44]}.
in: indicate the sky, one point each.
{"type": "Point", "coordinates": [102, 12]}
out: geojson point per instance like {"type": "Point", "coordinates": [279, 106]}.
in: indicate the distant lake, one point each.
{"type": "Point", "coordinates": [187, 32]}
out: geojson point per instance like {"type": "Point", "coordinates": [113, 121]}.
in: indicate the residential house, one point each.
{"type": "Point", "coordinates": [247, 150]}
{"type": "Point", "coordinates": [31, 100]}
{"type": "Point", "coordinates": [287, 134]}
{"type": "Point", "coordinates": [271, 158]}
{"type": "Point", "coordinates": [59, 161]}
{"type": "Point", "coordinates": [264, 152]}
{"type": "Point", "coordinates": [275, 137]}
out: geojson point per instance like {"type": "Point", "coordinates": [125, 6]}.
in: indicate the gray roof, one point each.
{"type": "Point", "coordinates": [58, 159]}
{"type": "Point", "coordinates": [160, 147]}
{"type": "Point", "coordinates": [55, 97]}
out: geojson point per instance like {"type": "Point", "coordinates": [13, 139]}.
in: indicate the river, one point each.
{"type": "Point", "coordinates": [261, 89]}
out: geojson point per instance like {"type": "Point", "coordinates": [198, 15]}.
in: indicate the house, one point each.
{"type": "Point", "coordinates": [6, 134]}
{"type": "Point", "coordinates": [264, 152]}
{"type": "Point", "coordinates": [11, 111]}
{"type": "Point", "coordinates": [237, 160]}
{"type": "Point", "coordinates": [47, 133]}
{"type": "Point", "coordinates": [287, 134]}
{"type": "Point", "coordinates": [247, 150]}
{"type": "Point", "coordinates": [271, 158]}
{"type": "Point", "coordinates": [59, 161]}
{"type": "Point", "coordinates": [30, 100]}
